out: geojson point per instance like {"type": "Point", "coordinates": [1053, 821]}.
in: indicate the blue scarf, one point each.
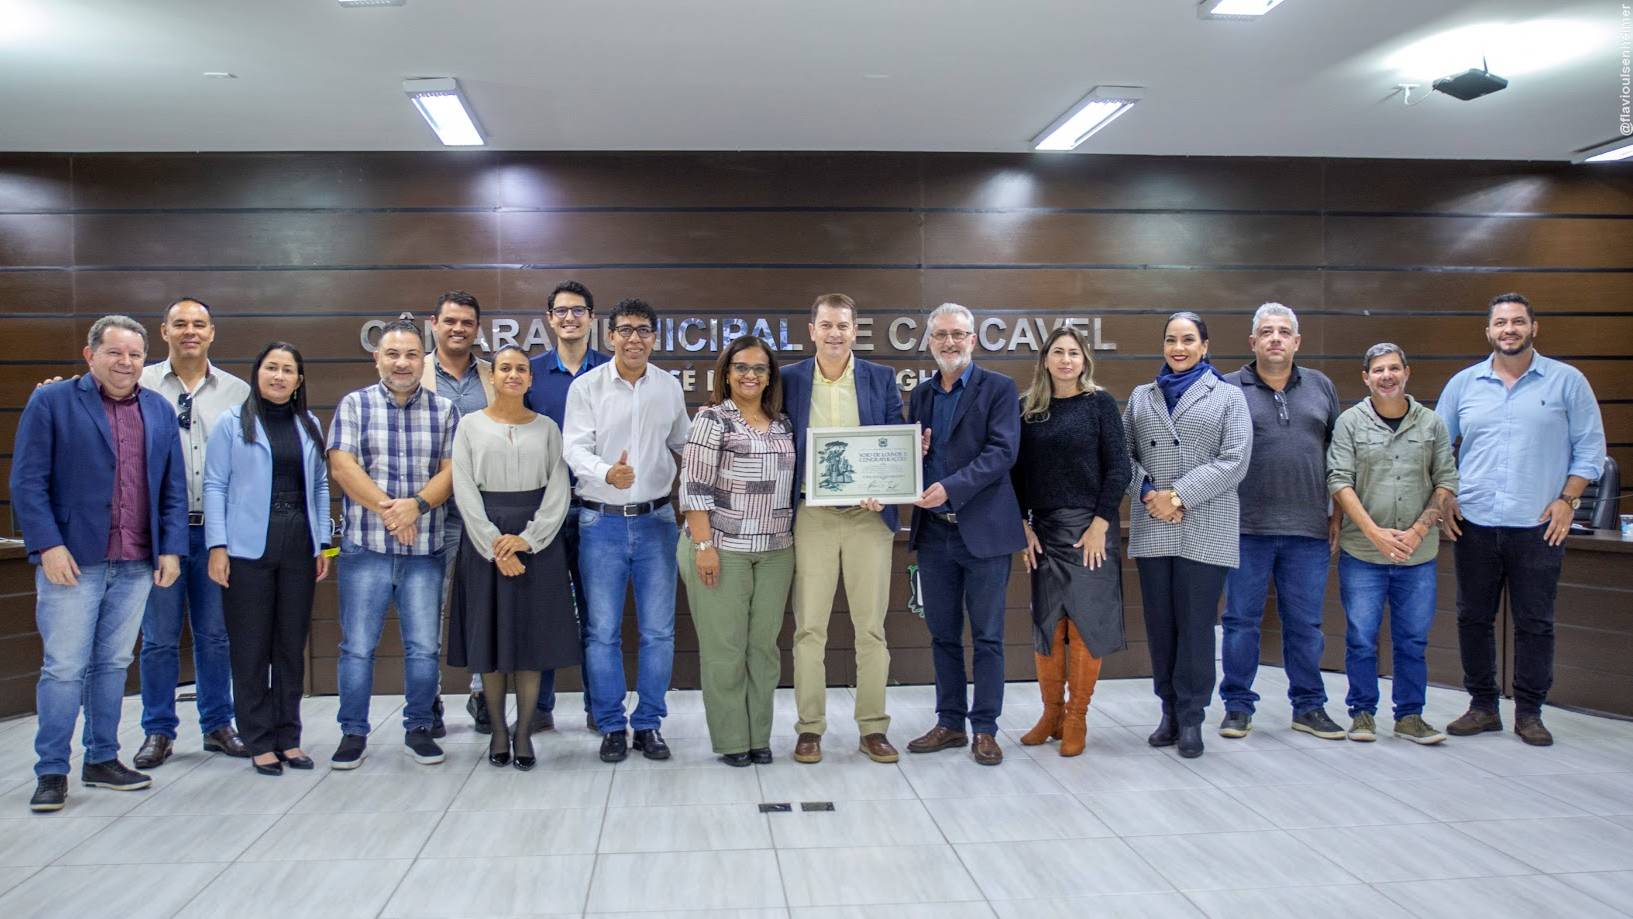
{"type": "Point", "coordinates": [1173, 385]}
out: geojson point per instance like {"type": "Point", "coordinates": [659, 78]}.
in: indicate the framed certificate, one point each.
{"type": "Point", "coordinates": [845, 465]}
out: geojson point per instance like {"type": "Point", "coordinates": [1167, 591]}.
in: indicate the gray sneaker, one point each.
{"type": "Point", "coordinates": [1415, 729]}
{"type": "Point", "coordinates": [1362, 728]}
{"type": "Point", "coordinates": [1315, 722]}
{"type": "Point", "coordinates": [1236, 724]}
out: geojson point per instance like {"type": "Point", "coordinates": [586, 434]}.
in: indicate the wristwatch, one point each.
{"type": "Point", "coordinates": [1575, 503]}
{"type": "Point", "coordinates": [424, 505]}
{"type": "Point", "coordinates": [705, 544]}
{"type": "Point", "coordinates": [1173, 498]}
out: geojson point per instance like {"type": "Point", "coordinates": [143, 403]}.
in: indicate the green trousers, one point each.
{"type": "Point", "coordinates": [737, 623]}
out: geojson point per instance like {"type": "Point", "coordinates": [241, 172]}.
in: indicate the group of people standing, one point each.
{"type": "Point", "coordinates": [528, 495]}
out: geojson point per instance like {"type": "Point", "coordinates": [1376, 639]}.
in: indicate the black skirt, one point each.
{"type": "Point", "coordinates": [1063, 586]}
{"type": "Point", "coordinates": [498, 623]}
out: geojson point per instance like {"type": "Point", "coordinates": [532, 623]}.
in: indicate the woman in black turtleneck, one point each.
{"type": "Point", "coordinates": [1070, 475]}
{"type": "Point", "coordinates": [266, 511]}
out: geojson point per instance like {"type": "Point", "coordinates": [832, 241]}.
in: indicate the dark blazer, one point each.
{"type": "Point", "coordinates": [878, 401]}
{"type": "Point", "coordinates": [986, 438]}
{"type": "Point", "coordinates": [62, 473]}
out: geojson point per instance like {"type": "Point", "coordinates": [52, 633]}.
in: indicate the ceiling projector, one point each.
{"type": "Point", "coordinates": [1470, 84]}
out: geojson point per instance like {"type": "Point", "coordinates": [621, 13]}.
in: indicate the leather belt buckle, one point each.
{"type": "Point", "coordinates": [195, 518]}
{"type": "Point", "coordinates": [949, 519]}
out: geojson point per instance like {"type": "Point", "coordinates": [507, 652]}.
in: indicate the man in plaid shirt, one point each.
{"type": "Point", "coordinates": [391, 454]}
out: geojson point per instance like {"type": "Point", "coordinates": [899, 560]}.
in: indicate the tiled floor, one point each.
{"type": "Point", "coordinates": [1274, 825]}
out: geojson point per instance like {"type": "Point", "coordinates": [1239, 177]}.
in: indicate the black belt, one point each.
{"type": "Point", "coordinates": [624, 510]}
{"type": "Point", "coordinates": [195, 518]}
{"type": "Point", "coordinates": [949, 519]}
{"type": "Point", "coordinates": [295, 504]}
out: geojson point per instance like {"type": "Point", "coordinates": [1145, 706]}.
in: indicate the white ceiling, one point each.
{"type": "Point", "coordinates": [1309, 79]}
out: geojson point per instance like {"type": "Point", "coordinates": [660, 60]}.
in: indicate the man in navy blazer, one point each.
{"type": "Point", "coordinates": [965, 528]}
{"type": "Point", "coordinates": [98, 488]}
{"type": "Point", "coordinates": [838, 389]}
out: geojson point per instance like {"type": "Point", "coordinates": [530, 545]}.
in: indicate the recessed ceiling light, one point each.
{"type": "Point", "coordinates": [372, 2]}
{"type": "Point", "coordinates": [1611, 151]}
{"type": "Point", "coordinates": [1235, 9]}
{"type": "Point", "coordinates": [443, 107]}
{"type": "Point", "coordinates": [219, 75]}
{"type": "Point", "coordinates": [1099, 108]}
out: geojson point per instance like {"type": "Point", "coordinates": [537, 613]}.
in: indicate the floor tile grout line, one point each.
{"type": "Point", "coordinates": [776, 850]}
{"type": "Point", "coordinates": [601, 832]}
{"type": "Point", "coordinates": [446, 808]}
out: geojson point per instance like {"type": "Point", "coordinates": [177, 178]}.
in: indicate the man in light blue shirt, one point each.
{"type": "Point", "coordinates": [1532, 440]}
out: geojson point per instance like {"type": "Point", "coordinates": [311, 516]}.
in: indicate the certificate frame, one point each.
{"type": "Point", "coordinates": [846, 465]}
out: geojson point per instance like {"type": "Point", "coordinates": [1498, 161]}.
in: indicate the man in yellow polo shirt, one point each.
{"type": "Point", "coordinates": [838, 389]}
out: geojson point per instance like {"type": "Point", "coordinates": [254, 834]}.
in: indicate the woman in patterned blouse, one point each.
{"type": "Point", "coordinates": [736, 556]}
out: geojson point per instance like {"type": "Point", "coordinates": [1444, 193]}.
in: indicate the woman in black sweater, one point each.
{"type": "Point", "coordinates": [1070, 477]}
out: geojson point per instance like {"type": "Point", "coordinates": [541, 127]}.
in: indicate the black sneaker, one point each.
{"type": "Point", "coordinates": [651, 744]}
{"type": "Point", "coordinates": [50, 794]}
{"type": "Point", "coordinates": [424, 749]}
{"type": "Point", "coordinates": [1315, 722]}
{"type": "Point", "coordinates": [350, 753]}
{"type": "Point", "coordinates": [1236, 724]}
{"type": "Point", "coordinates": [438, 729]}
{"type": "Point", "coordinates": [614, 747]}
{"type": "Point", "coordinates": [113, 774]}
{"type": "Point", "coordinates": [477, 707]}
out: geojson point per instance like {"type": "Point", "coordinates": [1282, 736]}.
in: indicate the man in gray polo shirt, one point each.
{"type": "Point", "coordinates": [1288, 528]}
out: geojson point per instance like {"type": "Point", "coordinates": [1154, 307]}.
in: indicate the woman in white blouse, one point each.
{"type": "Point", "coordinates": [511, 612]}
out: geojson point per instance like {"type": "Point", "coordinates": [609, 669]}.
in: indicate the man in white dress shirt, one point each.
{"type": "Point", "coordinates": [625, 420]}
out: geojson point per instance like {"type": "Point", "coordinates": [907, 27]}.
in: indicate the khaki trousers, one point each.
{"type": "Point", "coordinates": [828, 542]}
{"type": "Point", "coordinates": [737, 623]}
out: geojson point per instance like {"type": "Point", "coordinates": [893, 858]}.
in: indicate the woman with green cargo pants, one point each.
{"type": "Point", "coordinates": [736, 553]}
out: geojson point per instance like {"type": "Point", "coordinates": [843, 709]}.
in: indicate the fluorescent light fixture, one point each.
{"type": "Point", "coordinates": [1235, 9]}
{"type": "Point", "coordinates": [1102, 106]}
{"type": "Point", "coordinates": [1611, 151]}
{"type": "Point", "coordinates": [372, 2]}
{"type": "Point", "coordinates": [443, 107]}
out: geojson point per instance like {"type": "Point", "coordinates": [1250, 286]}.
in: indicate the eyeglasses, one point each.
{"type": "Point", "coordinates": [1281, 408]}
{"type": "Point", "coordinates": [184, 411]}
{"type": "Point", "coordinates": [643, 332]}
{"type": "Point", "coordinates": [958, 335]}
{"type": "Point", "coordinates": [743, 370]}
{"type": "Point", "coordinates": [577, 312]}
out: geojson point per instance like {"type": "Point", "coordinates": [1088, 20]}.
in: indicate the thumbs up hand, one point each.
{"type": "Point", "coordinates": [622, 474]}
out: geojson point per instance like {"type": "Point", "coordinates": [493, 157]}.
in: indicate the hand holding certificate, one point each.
{"type": "Point", "coordinates": [846, 466]}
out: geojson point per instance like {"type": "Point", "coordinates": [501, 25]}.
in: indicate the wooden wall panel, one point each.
{"type": "Point", "coordinates": [309, 247]}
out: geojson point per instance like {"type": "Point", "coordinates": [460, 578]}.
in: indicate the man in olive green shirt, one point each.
{"type": "Point", "coordinates": [1390, 470]}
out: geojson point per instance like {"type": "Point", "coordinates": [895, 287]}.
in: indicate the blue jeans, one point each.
{"type": "Point", "coordinates": [954, 581]}
{"type": "Point", "coordinates": [616, 551]}
{"type": "Point", "coordinates": [369, 582]}
{"type": "Point", "coordinates": [1410, 590]}
{"type": "Point", "coordinates": [89, 635]}
{"type": "Point", "coordinates": [161, 646]}
{"type": "Point", "coordinates": [1299, 565]}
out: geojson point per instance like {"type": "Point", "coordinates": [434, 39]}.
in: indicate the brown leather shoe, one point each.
{"type": "Point", "coordinates": [985, 750]}
{"type": "Point", "coordinates": [808, 749]}
{"type": "Point", "coordinates": [1530, 729]}
{"type": "Point", "coordinates": [877, 748]}
{"type": "Point", "coordinates": [939, 738]}
{"type": "Point", "coordinates": [1475, 721]}
{"type": "Point", "coordinates": [155, 750]}
{"type": "Point", "coordinates": [225, 740]}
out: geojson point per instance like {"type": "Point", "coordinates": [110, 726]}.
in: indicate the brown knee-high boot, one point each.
{"type": "Point", "coordinates": [1052, 684]}
{"type": "Point", "coordinates": [1082, 672]}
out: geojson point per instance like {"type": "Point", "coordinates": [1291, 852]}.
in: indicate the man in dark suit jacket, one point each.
{"type": "Point", "coordinates": [965, 528]}
{"type": "Point", "coordinates": [98, 488]}
{"type": "Point", "coordinates": [838, 389]}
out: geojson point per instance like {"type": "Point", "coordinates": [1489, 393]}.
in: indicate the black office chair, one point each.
{"type": "Point", "coordinates": [1601, 500]}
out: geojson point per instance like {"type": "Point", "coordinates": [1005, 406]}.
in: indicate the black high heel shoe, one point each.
{"type": "Point", "coordinates": [502, 758]}
{"type": "Point", "coordinates": [273, 768]}
{"type": "Point", "coordinates": [525, 761]}
{"type": "Point", "coordinates": [295, 762]}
